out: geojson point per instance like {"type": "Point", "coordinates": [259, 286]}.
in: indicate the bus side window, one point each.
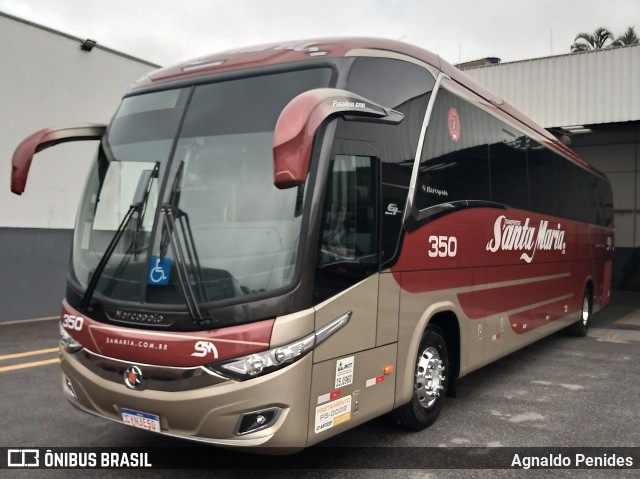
{"type": "Point", "coordinates": [566, 174]}
{"type": "Point", "coordinates": [348, 237]}
{"type": "Point", "coordinates": [508, 160]}
{"type": "Point", "coordinates": [455, 156]}
{"type": "Point", "coordinates": [604, 199]}
{"type": "Point", "coordinates": [542, 183]}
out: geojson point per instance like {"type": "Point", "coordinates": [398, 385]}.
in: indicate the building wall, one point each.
{"type": "Point", "coordinates": [34, 272]}
{"type": "Point", "coordinates": [47, 80]}
{"type": "Point", "coordinates": [620, 163]}
{"type": "Point", "coordinates": [615, 150]}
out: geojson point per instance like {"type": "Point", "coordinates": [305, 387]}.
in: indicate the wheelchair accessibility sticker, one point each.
{"type": "Point", "coordinates": [159, 271]}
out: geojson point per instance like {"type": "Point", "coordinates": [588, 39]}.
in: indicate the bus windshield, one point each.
{"type": "Point", "coordinates": [181, 202]}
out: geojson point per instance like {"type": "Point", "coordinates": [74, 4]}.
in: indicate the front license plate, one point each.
{"type": "Point", "coordinates": [142, 420]}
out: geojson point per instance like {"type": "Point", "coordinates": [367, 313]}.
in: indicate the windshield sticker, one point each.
{"type": "Point", "coordinates": [159, 270]}
{"type": "Point", "coordinates": [454, 124]}
{"type": "Point", "coordinates": [513, 235]}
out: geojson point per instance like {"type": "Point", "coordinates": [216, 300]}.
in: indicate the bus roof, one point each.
{"type": "Point", "coordinates": [297, 51]}
{"type": "Point", "coordinates": [278, 53]}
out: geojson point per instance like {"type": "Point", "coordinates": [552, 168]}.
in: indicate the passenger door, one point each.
{"type": "Point", "coordinates": [348, 379]}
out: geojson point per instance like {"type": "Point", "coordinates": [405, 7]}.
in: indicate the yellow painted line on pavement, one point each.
{"type": "Point", "coordinates": [29, 365]}
{"type": "Point", "coordinates": [29, 353]}
{"type": "Point", "coordinates": [26, 321]}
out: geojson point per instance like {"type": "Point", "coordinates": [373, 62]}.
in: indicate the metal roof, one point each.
{"type": "Point", "coordinates": [601, 86]}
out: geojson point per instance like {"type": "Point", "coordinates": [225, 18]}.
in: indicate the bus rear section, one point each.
{"type": "Point", "coordinates": [278, 244]}
{"type": "Point", "coordinates": [511, 235]}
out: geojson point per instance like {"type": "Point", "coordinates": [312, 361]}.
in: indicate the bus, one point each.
{"type": "Point", "coordinates": [278, 243]}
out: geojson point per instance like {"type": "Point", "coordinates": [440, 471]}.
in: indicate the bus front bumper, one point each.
{"type": "Point", "coordinates": [215, 414]}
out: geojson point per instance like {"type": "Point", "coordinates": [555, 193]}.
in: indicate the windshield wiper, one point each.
{"type": "Point", "coordinates": [143, 191]}
{"type": "Point", "coordinates": [95, 277]}
{"type": "Point", "coordinates": [138, 206]}
{"type": "Point", "coordinates": [184, 250]}
{"type": "Point", "coordinates": [174, 217]}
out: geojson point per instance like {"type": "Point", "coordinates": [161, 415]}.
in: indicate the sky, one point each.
{"type": "Point", "coordinates": [166, 32]}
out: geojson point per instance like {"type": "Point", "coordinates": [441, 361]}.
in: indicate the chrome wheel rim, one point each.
{"type": "Point", "coordinates": [585, 311]}
{"type": "Point", "coordinates": [430, 376]}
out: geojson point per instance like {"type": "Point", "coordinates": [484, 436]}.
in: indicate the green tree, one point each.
{"type": "Point", "coordinates": [592, 41]}
{"type": "Point", "coordinates": [629, 38]}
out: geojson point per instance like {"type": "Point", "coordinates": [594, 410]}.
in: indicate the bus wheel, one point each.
{"type": "Point", "coordinates": [430, 384]}
{"type": "Point", "coordinates": [580, 327]}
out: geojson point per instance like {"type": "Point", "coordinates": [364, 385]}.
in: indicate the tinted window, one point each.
{"type": "Point", "coordinates": [349, 224]}
{"type": "Point", "coordinates": [586, 196]}
{"type": "Point", "coordinates": [604, 202]}
{"type": "Point", "coordinates": [249, 104]}
{"type": "Point", "coordinates": [455, 156]}
{"type": "Point", "coordinates": [508, 162]}
{"type": "Point", "coordinates": [404, 87]}
{"type": "Point", "coordinates": [348, 238]}
{"type": "Point", "coordinates": [471, 155]}
{"type": "Point", "coordinates": [566, 175]}
{"type": "Point", "coordinates": [460, 175]}
{"type": "Point", "coordinates": [240, 234]}
{"type": "Point", "coordinates": [542, 184]}
{"type": "Point", "coordinates": [399, 85]}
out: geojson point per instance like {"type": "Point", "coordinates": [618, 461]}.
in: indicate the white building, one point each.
{"type": "Point", "coordinates": [47, 79]}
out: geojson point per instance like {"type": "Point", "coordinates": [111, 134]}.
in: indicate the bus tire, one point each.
{"type": "Point", "coordinates": [580, 327]}
{"type": "Point", "coordinates": [430, 384]}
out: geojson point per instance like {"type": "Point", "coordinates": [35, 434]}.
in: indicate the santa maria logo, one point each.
{"type": "Point", "coordinates": [513, 235]}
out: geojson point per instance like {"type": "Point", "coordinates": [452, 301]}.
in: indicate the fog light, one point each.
{"type": "Point", "coordinates": [257, 420]}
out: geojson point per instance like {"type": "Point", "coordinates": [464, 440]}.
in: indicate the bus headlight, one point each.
{"type": "Point", "coordinates": [257, 364]}
{"type": "Point", "coordinates": [70, 344]}
{"type": "Point", "coordinates": [264, 362]}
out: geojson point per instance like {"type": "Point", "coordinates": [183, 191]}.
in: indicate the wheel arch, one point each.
{"type": "Point", "coordinates": [449, 324]}
{"type": "Point", "coordinates": [444, 316]}
{"type": "Point", "coordinates": [581, 325]}
{"type": "Point", "coordinates": [588, 285]}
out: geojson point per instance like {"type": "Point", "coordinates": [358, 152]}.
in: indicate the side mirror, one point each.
{"type": "Point", "coordinates": [299, 120]}
{"type": "Point", "coordinates": [42, 140]}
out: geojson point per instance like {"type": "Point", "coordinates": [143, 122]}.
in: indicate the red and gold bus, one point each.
{"type": "Point", "coordinates": [279, 243]}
